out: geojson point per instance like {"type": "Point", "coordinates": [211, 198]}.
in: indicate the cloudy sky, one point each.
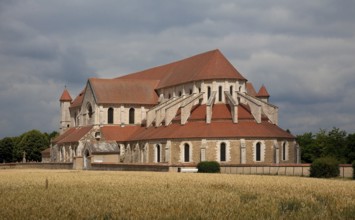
{"type": "Point", "coordinates": [302, 51]}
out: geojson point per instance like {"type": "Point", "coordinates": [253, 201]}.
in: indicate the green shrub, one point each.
{"type": "Point", "coordinates": [325, 167]}
{"type": "Point", "coordinates": [354, 169]}
{"type": "Point", "coordinates": [208, 167]}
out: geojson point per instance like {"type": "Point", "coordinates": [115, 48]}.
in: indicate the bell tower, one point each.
{"type": "Point", "coordinates": [65, 101]}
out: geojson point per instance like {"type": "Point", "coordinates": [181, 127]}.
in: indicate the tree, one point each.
{"type": "Point", "coordinates": [32, 143]}
{"type": "Point", "coordinates": [350, 148]}
{"type": "Point", "coordinates": [6, 150]}
{"type": "Point", "coordinates": [332, 143]}
{"type": "Point", "coordinates": [51, 135]}
{"type": "Point", "coordinates": [309, 151]}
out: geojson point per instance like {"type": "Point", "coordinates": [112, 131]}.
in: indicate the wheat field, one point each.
{"type": "Point", "coordinates": [69, 194]}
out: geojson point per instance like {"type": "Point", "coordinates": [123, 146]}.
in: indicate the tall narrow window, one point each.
{"type": "Point", "coordinates": [208, 92]}
{"type": "Point", "coordinates": [190, 91]}
{"type": "Point", "coordinates": [186, 153]}
{"type": "Point", "coordinates": [180, 93]}
{"type": "Point", "coordinates": [157, 151]}
{"type": "Point", "coordinates": [110, 116]}
{"type": "Point", "coordinates": [89, 119]}
{"type": "Point", "coordinates": [222, 152]}
{"type": "Point", "coordinates": [231, 90]}
{"type": "Point", "coordinates": [75, 121]}
{"type": "Point", "coordinates": [284, 151]}
{"type": "Point", "coordinates": [131, 116]}
{"type": "Point", "coordinates": [90, 111]}
{"type": "Point", "coordinates": [220, 93]}
{"type": "Point", "coordinates": [258, 152]}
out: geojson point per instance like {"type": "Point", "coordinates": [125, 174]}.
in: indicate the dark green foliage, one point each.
{"type": "Point", "coordinates": [335, 143]}
{"type": "Point", "coordinates": [350, 150]}
{"type": "Point", "coordinates": [309, 150]}
{"type": "Point", "coordinates": [32, 143]}
{"type": "Point", "coordinates": [6, 149]}
{"type": "Point", "coordinates": [208, 167]}
{"type": "Point", "coordinates": [324, 167]}
{"type": "Point", "coordinates": [353, 169]}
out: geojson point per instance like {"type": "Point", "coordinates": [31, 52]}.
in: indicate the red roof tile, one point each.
{"type": "Point", "coordinates": [217, 129]}
{"type": "Point", "coordinates": [78, 100]}
{"type": "Point", "coordinates": [208, 65]}
{"type": "Point", "coordinates": [124, 91]}
{"type": "Point", "coordinates": [263, 92]}
{"type": "Point", "coordinates": [72, 135]}
{"type": "Point", "coordinates": [65, 96]}
{"type": "Point", "coordinates": [118, 133]}
{"type": "Point", "coordinates": [250, 89]}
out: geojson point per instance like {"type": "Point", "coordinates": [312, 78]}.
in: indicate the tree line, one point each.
{"type": "Point", "coordinates": [30, 144]}
{"type": "Point", "coordinates": [335, 143]}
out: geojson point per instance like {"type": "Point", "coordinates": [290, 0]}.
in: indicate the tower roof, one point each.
{"type": "Point", "coordinates": [65, 96]}
{"type": "Point", "coordinates": [250, 89]}
{"type": "Point", "coordinates": [263, 92]}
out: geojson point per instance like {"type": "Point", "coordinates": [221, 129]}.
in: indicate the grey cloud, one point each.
{"type": "Point", "coordinates": [301, 50]}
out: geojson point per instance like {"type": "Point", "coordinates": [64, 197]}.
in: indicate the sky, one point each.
{"type": "Point", "coordinates": [302, 51]}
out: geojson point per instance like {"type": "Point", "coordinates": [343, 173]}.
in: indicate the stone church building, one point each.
{"type": "Point", "coordinates": [196, 109]}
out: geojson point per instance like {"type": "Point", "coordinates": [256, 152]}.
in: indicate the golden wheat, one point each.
{"type": "Point", "coordinates": [59, 194]}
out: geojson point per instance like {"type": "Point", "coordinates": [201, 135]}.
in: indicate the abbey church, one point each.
{"type": "Point", "coordinates": [196, 109]}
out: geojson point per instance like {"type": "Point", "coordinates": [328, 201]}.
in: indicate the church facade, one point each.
{"type": "Point", "coordinates": [196, 109]}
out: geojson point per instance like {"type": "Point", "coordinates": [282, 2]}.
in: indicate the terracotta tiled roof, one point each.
{"type": "Point", "coordinates": [263, 92]}
{"type": "Point", "coordinates": [72, 135]}
{"type": "Point", "coordinates": [205, 66]}
{"type": "Point", "coordinates": [46, 152]}
{"type": "Point", "coordinates": [65, 96]}
{"type": "Point", "coordinates": [124, 91]}
{"type": "Point", "coordinates": [78, 100]}
{"type": "Point", "coordinates": [220, 112]}
{"type": "Point", "coordinates": [217, 129]}
{"type": "Point", "coordinates": [118, 133]}
{"type": "Point", "coordinates": [250, 89]}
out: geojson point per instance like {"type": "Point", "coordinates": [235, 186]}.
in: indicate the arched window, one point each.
{"type": "Point", "coordinates": [157, 153]}
{"type": "Point", "coordinates": [89, 113]}
{"type": "Point", "coordinates": [284, 151]}
{"type": "Point", "coordinates": [220, 93]}
{"type": "Point", "coordinates": [258, 152]}
{"type": "Point", "coordinates": [131, 115]}
{"type": "Point", "coordinates": [186, 153]}
{"type": "Point", "coordinates": [208, 92]}
{"type": "Point", "coordinates": [222, 152]}
{"type": "Point", "coordinates": [180, 93]}
{"type": "Point", "coordinates": [231, 90]}
{"type": "Point", "coordinates": [199, 89]}
{"type": "Point", "coordinates": [89, 108]}
{"type": "Point", "coordinates": [190, 91]}
{"type": "Point", "coordinates": [169, 96]}
{"type": "Point", "coordinates": [110, 116]}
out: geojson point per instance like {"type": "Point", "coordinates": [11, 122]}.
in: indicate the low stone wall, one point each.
{"type": "Point", "coordinates": [346, 170]}
{"type": "Point", "coordinates": [130, 167]}
{"type": "Point", "coordinates": [65, 166]}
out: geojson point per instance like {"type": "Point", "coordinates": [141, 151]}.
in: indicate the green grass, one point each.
{"type": "Point", "coordinates": [64, 194]}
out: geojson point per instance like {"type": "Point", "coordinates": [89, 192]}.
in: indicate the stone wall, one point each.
{"type": "Point", "coordinates": [281, 169]}
{"type": "Point", "coordinates": [65, 166]}
{"type": "Point", "coordinates": [130, 167]}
